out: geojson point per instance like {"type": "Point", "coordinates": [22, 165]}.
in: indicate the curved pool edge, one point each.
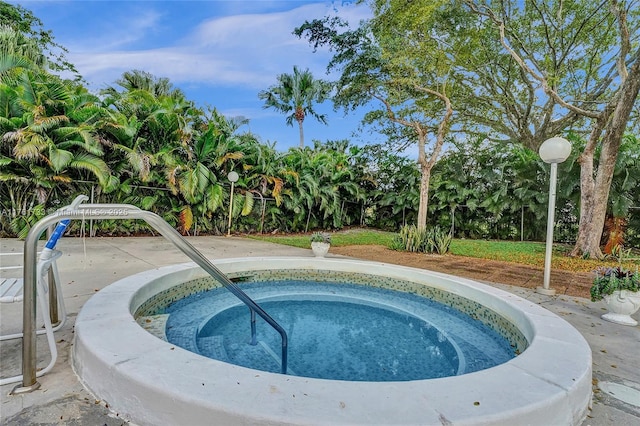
{"type": "Point", "coordinates": [550, 383]}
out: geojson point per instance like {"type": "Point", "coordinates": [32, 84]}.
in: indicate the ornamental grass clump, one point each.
{"type": "Point", "coordinates": [609, 280]}
{"type": "Point", "coordinates": [422, 240]}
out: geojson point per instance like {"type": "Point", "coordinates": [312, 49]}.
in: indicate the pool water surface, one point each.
{"type": "Point", "coordinates": [337, 331]}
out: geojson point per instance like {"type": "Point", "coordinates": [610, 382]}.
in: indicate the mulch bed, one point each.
{"type": "Point", "coordinates": [564, 282]}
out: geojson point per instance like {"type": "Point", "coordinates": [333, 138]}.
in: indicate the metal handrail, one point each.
{"type": "Point", "coordinates": [114, 211]}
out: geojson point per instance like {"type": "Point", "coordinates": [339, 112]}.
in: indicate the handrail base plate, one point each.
{"type": "Point", "coordinates": [18, 390]}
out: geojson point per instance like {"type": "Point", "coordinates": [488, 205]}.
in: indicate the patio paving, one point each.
{"type": "Point", "coordinates": [91, 264]}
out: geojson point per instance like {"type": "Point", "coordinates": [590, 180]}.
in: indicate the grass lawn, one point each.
{"type": "Point", "coordinates": [526, 252]}
{"type": "Point", "coordinates": [349, 237]}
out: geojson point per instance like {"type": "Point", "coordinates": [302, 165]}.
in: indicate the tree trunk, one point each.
{"type": "Point", "coordinates": [426, 164]}
{"type": "Point", "coordinates": [301, 134]}
{"type": "Point", "coordinates": [425, 176]}
{"type": "Point", "coordinates": [602, 188]}
{"type": "Point", "coordinates": [587, 188]}
{"type": "Point", "coordinates": [609, 155]}
{"type": "Point", "coordinates": [586, 202]}
{"type": "Point", "coordinates": [595, 199]}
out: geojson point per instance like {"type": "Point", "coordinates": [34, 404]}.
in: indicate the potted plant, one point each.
{"type": "Point", "coordinates": [320, 243]}
{"type": "Point", "coordinates": [620, 289]}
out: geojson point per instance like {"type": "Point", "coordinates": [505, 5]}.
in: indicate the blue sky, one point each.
{"type": "Point", "coordinates": [221, 53]}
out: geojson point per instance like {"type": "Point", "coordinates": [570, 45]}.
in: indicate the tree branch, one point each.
{"type": "Point", "coordinates": [539, 77]}
{"type": "Point", "coordinates": [625, 44]}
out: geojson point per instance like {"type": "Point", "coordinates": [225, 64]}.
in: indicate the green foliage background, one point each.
{"type": "Point", "coordinates": [142, 142]}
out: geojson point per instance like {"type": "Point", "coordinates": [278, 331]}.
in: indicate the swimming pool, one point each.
{"type": "Point", "coordinates": [151, 381]}
{"type": "Point", "coordinates": [337, 331]}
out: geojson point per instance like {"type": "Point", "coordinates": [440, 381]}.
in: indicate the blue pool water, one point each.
{"type": "Point", "coordinates": [337, 331]}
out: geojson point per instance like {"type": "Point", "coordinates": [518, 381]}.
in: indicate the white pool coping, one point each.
{"type": "Point", "coordinates": [151, 382]}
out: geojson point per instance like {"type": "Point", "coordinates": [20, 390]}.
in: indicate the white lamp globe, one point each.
{"type": "Point", "coordinates": [233, 177]}
{"type": "Point", "coordinates": [555, 150]}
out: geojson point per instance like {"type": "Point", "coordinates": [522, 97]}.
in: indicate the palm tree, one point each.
{"type": "Point", "coordinates": [142, 80]}
{"type": "Point", "coordinates": [48, 141]}
{"type": "Point", "coordinates": [295, 95]}
{"type": "Point", "coordinates": [319, 180]}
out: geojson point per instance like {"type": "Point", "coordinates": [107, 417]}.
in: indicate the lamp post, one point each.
{"type": "Point", "coordinates": [552, 151]}
{"type": "Point", "coordinates": [233, 178]}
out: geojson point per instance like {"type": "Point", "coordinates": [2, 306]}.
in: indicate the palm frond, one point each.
{"type": "Point", "coordinates": [29, 145]}
{"type": "Point", "coordinates": [92, 164]}
{"type": "Point", "coordinates": [185, 219]}
{"type": "Point", "coordinates": [59, 158]}
{"type": "Point", "coordinates": [248, 204]}
{"type": "Point", "coordinates": [214, 198]}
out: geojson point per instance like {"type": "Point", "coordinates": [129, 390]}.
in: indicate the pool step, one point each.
{"type": "Point", "coordinates": [154, 324]}
{"type": "Point", "coordinates": [270, 353]}
{"type": "Point", "coordinates": [259, 356]}
{"type": "Point", "coordinates": [213, 347]}
{"type": "Point", "coordinates": [184, 336]}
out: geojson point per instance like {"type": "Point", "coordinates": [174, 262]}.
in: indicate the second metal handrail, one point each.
{"type": "Point", "coordinates": [115, 211]}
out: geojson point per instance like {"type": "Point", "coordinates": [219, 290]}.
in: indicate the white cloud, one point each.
{"type": "Point", "coordinates": [118, 31]}
{"type": "Point", "coordinates": [248, 49]}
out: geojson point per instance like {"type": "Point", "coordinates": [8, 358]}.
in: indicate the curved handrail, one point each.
{"type": "Point", "coordinates": [113, 211]}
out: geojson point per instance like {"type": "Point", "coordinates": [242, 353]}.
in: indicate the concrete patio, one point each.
{"type": "Point", "coordinates": [91, 264]}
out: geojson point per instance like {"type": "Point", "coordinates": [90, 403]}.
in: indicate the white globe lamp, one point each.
{"type": "Point", "coordinates": [233, 178]}
{"type": "Point", "coordinates": [552, 151]}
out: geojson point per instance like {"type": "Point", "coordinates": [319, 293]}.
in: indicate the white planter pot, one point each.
{"type": "Point", "coordinates": [320, 249]}
{"type": "Point", "coordinates": [622, 304]}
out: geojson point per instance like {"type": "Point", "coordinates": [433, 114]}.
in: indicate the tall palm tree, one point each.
{"type": "Point", "coordinates": [295, 95]}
